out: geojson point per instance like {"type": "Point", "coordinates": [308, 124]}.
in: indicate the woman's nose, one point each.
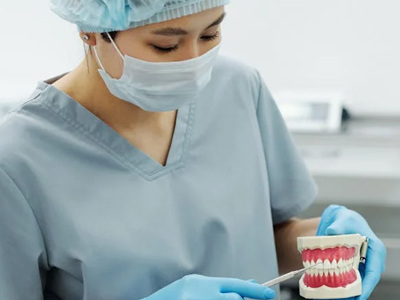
{"type": "Point", "coordinates": [191, 51]}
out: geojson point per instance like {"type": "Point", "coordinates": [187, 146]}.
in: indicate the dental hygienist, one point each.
{"type": "Point", "coordinates": [154, 160]}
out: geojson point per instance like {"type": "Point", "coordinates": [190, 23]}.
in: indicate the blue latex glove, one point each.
{"type": "Point", "coordinates": [197, 287]}
{"type": "Point", "coordinates": [337, 220]}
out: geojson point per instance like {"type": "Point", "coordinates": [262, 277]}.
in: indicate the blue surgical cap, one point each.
{"type": "Point", "coordinates": [117, 15]}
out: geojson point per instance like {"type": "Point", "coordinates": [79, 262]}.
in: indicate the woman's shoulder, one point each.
{"type": "Point", "coordinates": [234, 74]}
{"type": "Point", "coordinates": [234, 67]}
{"type": "Point", "coordinates": [235, 80]}
{"type": "Point", "coordinates": [20, 126]}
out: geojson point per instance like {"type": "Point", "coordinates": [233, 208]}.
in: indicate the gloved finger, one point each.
{"type": "Point", "coordinates": [375, 265]}
{"type": "Point", "coordinates": [349, 222]}
{"type": "Point", "coordinates": [252, 280]}
{"type": "Point", "coordinates": [231, 296]}
{"type": "Point", "coordinates": [327, 218]}
{"type": "Point", "coordinates": [351, 298]}
{"type": "Point", "coordinates": [347, 226]}
{"type": "Point", "coordinates": [246, 289]}
{"type": "Point", "coordinates": [361, 268]}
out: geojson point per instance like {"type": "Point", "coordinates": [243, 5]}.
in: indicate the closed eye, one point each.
{"type": "Point", "coordinates": [165, 49]}
{"type": "Point", "coordinates": [210, 37]}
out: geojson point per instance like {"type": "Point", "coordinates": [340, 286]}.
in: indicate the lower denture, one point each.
{"type": "Point", "coordinates": [332, 281]}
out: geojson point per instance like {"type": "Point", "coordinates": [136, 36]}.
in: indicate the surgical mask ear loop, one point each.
{"type": "Point", "coordinates": [98, 58]}
{"type": "Point", "coordinates": [116, 48]}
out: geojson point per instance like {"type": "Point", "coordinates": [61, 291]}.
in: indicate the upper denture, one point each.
{"type": "Point", "coordinates": [330, 254]}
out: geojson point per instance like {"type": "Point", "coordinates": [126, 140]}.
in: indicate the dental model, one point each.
{"type": "Point", "coordinates": [336, 276]}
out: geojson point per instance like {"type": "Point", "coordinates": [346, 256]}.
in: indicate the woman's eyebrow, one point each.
{"type": "Point", "coordinates": [170, 31]}
{"type": "Point", "coordinates": [218, 21]}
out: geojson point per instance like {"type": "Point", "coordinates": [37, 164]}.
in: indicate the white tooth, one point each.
{"type": "Point", "coordinates": [319, 264]}
{"type": "Point", "coordinates": [331, 272]}
{"type": "Point", "coordinates": [320, 272]}
{"type": "Point", "coordinates": [327, 264]}
{"type": "Point", "coordinates": [334, 264]}
{"type": "Point", "coordinates": [307, 264]}
{"type": "Point", "coordinates": [312, 262]}
{"type": "Point", "coordinates": [340, 263]}
{"type": "Point", "coordinates": [326, 272]}
{"type": "Point", "coordinates": [337, 271]}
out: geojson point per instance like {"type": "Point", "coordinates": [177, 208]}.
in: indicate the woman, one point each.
{"type": "Point", "coordinates": [154, 160]}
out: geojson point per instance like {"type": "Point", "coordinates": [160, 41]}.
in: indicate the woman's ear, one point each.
{"type": "Point", "coordinates": [88, 38]}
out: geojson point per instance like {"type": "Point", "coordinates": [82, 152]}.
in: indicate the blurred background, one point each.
{"type": "Point", "coordinates": [333, 67]}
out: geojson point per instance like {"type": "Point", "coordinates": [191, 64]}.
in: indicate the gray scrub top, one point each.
{"type": "Point", "coordinates": [86, 215]}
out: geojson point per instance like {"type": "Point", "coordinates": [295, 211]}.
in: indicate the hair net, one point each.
{"type": "Point", "coordinates": [117, 15]}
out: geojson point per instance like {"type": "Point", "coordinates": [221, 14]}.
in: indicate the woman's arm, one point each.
{"type": "Point", "coordinates": [286, 235]}
{"type": "Point", "coordinates": [23, 258]}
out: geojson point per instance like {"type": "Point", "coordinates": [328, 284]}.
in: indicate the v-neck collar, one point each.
{"type": "Point", "coordinates": [102, 134]}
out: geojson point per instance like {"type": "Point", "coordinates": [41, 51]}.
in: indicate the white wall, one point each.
{"type": "Point", "coordinates": [346, 46]}
{"type": "Point", "coordinates": [34, 45]}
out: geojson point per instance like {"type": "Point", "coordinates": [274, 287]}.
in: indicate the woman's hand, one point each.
{"type": "Point", "coordinates": [196, 287]}
{"type": "Point", "coordinates": [337, 220]}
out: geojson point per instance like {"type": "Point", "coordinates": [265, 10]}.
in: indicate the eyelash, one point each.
{"type": "Point", "coordinates": [172, 49]}
{"type": "Point", "coordinates": [210, 37]}
{"type": "Point", "coordinates": [165, 50]}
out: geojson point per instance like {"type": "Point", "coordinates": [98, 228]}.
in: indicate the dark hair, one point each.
{"type": "Point", "coordinates": [113, 34]}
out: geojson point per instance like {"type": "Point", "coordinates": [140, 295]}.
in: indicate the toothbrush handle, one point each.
{"type": "Point", "coordinates": [280, 279]}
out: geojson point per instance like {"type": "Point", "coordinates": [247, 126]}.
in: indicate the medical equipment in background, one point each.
{"type": "Point", "coordinates": [313, 112]}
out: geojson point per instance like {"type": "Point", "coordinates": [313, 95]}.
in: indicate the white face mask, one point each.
{"type": "Point", "coordinates": [159, 87]}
